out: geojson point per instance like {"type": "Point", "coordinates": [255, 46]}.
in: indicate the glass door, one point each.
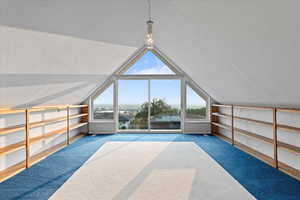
{"type": "Point", "coordinates": [133, 104]}
{"type": "Point", "coordinates": [165, 104]}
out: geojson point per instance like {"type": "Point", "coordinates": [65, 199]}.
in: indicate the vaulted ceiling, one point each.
{"type": "Point", "coordinates": [238, 51]}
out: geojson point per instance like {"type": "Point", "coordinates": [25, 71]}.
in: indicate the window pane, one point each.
{"type": "Point", "coordinates": [149, 64]}
{"type": "Point", "coordinates": [103, 104]}
{"type": "Point", "coordinates": [195, 105]}
{"type": "Point", "coordinates": [133, 104]}
{"type": "Point", "coordinates": [165, 104]}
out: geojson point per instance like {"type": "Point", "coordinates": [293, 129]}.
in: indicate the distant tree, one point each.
{"type": "Point", "coordinates": [158, 106]}
{"type": "Point", "coordinates": [196, 112]}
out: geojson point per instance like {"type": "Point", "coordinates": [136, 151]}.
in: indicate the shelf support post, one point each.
{"type": "Point", "coordinates": [27, 138]}
{"type": "Point", "coordinates": [275, 150]}
{"type": "Point", "coordinates": [68, 125]}
{"type": "Point", "coordinates": [232, 125]}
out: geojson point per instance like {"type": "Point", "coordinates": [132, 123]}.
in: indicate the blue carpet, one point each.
{"type": "Point", "coordinates": [43, 179]}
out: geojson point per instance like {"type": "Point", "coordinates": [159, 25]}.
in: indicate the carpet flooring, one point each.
{"type": "Point", "coordinates": [42, 180]}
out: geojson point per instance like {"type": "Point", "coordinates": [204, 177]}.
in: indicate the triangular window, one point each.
{"type": "Point", "coordinates": [195, 104]}
{"type": "Point", "coordinates": [149, 63]}
{"type": "Point", "coordinates": [103, 104]}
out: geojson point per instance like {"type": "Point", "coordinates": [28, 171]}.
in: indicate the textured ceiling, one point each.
{"type": "Point", "coordinates": [239, 51]}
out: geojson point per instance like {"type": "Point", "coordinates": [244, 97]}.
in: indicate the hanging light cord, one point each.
{"type": "Point", "coordinates": [149, 9]}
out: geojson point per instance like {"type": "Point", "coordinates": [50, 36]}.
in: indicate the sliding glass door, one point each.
{"type": "Point", "coordinates": [134, 98]}
{"type": "Point", "coordinates": [133, 104]}
{"type": "Point", "coordinates": [165, 104]}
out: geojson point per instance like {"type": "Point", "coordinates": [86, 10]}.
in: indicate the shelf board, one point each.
{"type": "Point", "coordinates": [263, 157]}
{"type": "Point", "coordinates": [79, 115]}
{"type": "Point", "coordinates": [248, 150]}
{"type": "Point", "coordinates": [11, 129]}
{"type": "Point", "coordinates": [221, 115]}
{"type": "Point", "coordinates": [48, 121]}
{"type": "Point", "coordinates": [289, 147]}
{"type": "Point", "coordinates": [11, 171]}
{"type": "Point", "coordinates": [40, 156]}
{"type": "Point", "coordinates": [47, 135]}
{"type": "Point", "coordinates": [223, 137]}
{"type": "Point", "coordinates": [12, 148]}
{"type": "Point", "coordinates": [254, 107]}
{"type": "Point", "coordinates": [11, 111]}
{"type": "Point", "coordinates": [289, 170]}
{"type": "Point", "coordinates": [221, 105]}
{"type": "Point", "coordinates": [254, 135]}
{"type": "Point", "coordinates": [254, 121]}
{"type": "Point", "coordinates": [288, 128]}
{"type": "Point", "coordinates": [74, 126]}
{"type": "Point", "coordinates": [294, 110]}
{"type": "Point", "coordinates": [39, 109]}
{"type": "Point", "coordinates": [224, 126]}
{"type": "Point", "coordinates": [78, 106]}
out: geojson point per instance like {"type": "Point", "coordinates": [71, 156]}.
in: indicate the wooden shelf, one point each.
{"type": "Point", "coordinates": [221, 115]}
{"type": "Point", "coordinates": [254, 121]}
{"type": "Point", "coordinates": [288, 128]}
{"type": "Point", "coordinates": [294, 110]}
{"type": "Point", "coordinates": [255, 153]}
{"type": "Point", "coordinates": [254, 107]}
{"type": "Point", "coordinates": [254, 135]}
{"type": "Point", "coordinates": [40, 156]}
{"type": "Point", "coordinates": [74, 126]}
{"type": "Point", "coordinates": [248, 150]}
{"type": "Point", "coordinates": [30, 160]}
{"type": "Point", "coordinates": [12, 148]}
{"type": "Point", "coordinates": [48, 121]}
{"type": "Point", "coordinates": [289, 170]}
{"type": "Point", "coordinates": [220, 105]}
{"type": "Point", "coordinates": [9, 111]}
{"type": "Point", "coordinates": [78, 106]}
{"type": "Point", "coordinates": [224, 126]}
{"type": "Point", "coordinates": [39, 109]}
{"type": "Point", "coordinates": [289, 147]}
{"type": "Point", "coordinates": [79, 115]}
{"type": "Point", "coordinates": [11, 129]}
{"type": "Point", "coordinates": [47, 135]}
{"type": "Point", "coordinates": [223, 137]}
{"type": "Point", "coordinates": [11, 171]}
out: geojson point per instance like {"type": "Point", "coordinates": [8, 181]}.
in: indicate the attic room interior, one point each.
{"type": "Point", "coordinates": [149, 100]}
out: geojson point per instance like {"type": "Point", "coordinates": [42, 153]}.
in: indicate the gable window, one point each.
{"type": "Point", "coordinates": [103, 107]}
{"type": "Point", "coordinates": [149, 63]}
{"type": "Point", "coordinates": [149, 94]}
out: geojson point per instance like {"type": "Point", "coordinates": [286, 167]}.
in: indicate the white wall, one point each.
{"type": "Point", "coordinates": [47, 69]}
{"type": "Point", "coordinates": [291, 119]}
{"type": "Point", "coordinates": [11, 138]}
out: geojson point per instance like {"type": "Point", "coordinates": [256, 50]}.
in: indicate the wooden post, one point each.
{"type": "Point", "coordinates": [27, 138]}
{"type": "Point", "coordinates": [232, 125]}
{"type": "Point", "coordinates": [275, 138]}
{"type": "Point", "coordinates": [68, 125]}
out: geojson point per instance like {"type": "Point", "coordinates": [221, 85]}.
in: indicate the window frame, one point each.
{"type": "Point", "coordinates": [111, 83]}
{"type": "Point", "coordinates": [199, 93]}
{"type": "Point", "coordinates": [178, 74]}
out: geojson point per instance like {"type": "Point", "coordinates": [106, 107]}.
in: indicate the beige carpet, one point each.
{"type": "Point", "coordinates": [151, 171]}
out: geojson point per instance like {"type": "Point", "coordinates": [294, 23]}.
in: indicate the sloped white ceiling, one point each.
{"type": "Point", "coordinates": [239, 51]}
{"type": "Point", "coordinates": [40, 68]}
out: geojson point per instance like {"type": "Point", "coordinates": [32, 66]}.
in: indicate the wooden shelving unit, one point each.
{"type": "Point", "coordinates": [288, 128]}
{"type": "Point", "coordinates": [12, 129]}
{"type": "Point", "coordinates": [27, 126]}
{"type": "Point", "coordinates": [216, 125]}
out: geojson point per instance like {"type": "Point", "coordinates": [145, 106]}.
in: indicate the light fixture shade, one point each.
{"type": "Point", "coordinates": [149, 37]}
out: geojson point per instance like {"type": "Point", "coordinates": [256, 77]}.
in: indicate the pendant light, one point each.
{"type": "Point", "coordinates": [149, 37]}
